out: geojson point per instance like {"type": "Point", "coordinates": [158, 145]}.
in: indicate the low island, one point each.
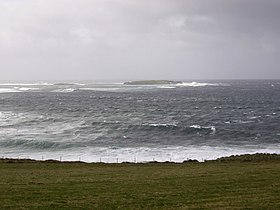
{"type": "Point", "coordinates": [153, 82]}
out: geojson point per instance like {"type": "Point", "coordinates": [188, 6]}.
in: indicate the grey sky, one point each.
{"type": "Point", "coordinates": [139, 39]}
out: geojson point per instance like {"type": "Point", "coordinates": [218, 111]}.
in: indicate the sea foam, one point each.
{"type": "Point", "coordinates": [196, 84]}
{"type": "Point", "coordinates": [141, 154]}
{"type": "Point", "coordinates": [9, 90]}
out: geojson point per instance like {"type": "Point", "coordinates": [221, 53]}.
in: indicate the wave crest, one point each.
{"type": "Point", "coordinates": [197, 84]}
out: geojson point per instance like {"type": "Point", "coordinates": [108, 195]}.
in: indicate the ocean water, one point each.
{"type": "Point", "coordinates": [111, 122]}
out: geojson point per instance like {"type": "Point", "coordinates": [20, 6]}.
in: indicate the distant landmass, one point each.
{"type": "Point", "coordinates": [152, 82]}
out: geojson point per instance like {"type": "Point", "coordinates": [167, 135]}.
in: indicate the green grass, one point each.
{"type": "Point", "coordinates": [235, 184]}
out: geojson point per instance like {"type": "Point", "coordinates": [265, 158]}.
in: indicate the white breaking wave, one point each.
{"type": "Point", "coordinates": [196, 84]}
{"type": "Point", "coordinates": [166, 87]}
{"type": "Point", "coordinates": [67, 90]}
{"type": "Point", "coordinates": [141, 154]}
{"type": "Point", "coordinates": [25, 84]}
{"type": "Point", "coordinates": [100, 89]}
{"type": "Point", "coordinates": [79, 84]}
{"type": "Point", "coordinates": [25, 88]}
{"type": "Point", "coordinates": [17, 89]}
{"type": "Point", "coordinates": [9, 90]}
{"type": "Point", "coordinates": [213, 129]}
{"type": "Point", "coordinates": [162, 124]}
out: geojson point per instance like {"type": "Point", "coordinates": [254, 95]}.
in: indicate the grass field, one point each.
{"type": "Point", "coordinates": [233, 183]}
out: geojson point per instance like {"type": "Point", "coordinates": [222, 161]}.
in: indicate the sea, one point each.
{"type": "Point", "coordinates": [101, 121]}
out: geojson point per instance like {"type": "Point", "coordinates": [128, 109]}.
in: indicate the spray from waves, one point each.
{"type": "Point", "coordinates": [109, 87]}
{"type": "Point", "coordinates": [212, 128]}
{"type": "Point", "coordinates": [187, 84]}
{"type": "Point", "coordinates": [197, 84]}
{"type": "Point", "coordinates": [140, 154]}
{"type": "Point", "coordinates": [166, 87]}
{"type": "Point", "coordinates": [25, 88]}
{"type": "Point", "coordinates": [26, 84]}
{"type": "Point", "coordinates": [100, 89]}
{"type": "Point", "coordinates": [21, 87]}
{"type": "Point", "coordinates": [32, 144]}
{"type": "Point", "coordinates": [8, 118]}
{"type": "Point", "coordinates": [17, 89]}
{"type": "Point", "coordinates": [162, 124]}
{"type": "Point", "coordinates": [9, 90]}
{"type": "Point", "coordinates": [174, 127]}
{"type": "Point", "coordinates": [67, 90]}
{"type": "Point", "coordinates": [41, 86]}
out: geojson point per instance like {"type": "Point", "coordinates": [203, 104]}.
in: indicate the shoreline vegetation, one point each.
{"type": "Point", "coordinates": [153, 82]}
{"type": "Point", "coordinates": [236, 182]}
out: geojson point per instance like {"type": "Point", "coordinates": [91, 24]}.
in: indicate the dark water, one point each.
{"type": "Point", "coordinates": [89, 121]}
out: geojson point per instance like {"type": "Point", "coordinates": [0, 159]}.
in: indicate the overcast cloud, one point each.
{"type": "Point", "coordinates": [139, 39]}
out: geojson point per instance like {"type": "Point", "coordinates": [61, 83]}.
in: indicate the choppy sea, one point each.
{"type": "Point", "coordinates": [112, 122]}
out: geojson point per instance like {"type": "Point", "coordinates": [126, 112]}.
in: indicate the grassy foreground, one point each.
{"type": "Point", "coordinates": [230, 183]}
